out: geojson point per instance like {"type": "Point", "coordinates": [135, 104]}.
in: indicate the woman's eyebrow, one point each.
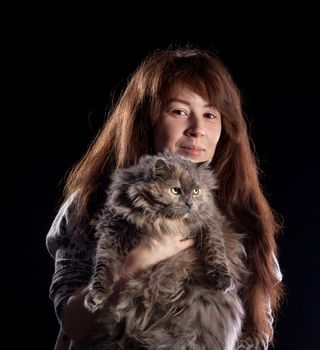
{"type": "Point", "coordinates": [187, 102]}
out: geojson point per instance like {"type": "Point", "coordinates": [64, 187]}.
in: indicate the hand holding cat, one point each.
{"type": "Point", "coordinates": [139, 258]}
{"type": "Point", "coordinates": [142, 256]}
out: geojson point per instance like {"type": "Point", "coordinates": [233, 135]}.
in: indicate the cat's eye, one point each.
{"type": "Point", "coordinates": [196, 191]}
{"type": "Point", "coordinates": [175, 190]}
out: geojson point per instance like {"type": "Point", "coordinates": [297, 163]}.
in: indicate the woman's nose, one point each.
{"type": "Point", "coordinates": [195, 127]}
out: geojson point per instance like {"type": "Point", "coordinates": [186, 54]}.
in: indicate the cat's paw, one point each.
{"type": "Point", "coordinates": [222, 282]}
{"type": "Point", "coordinates": [95, 300]}
{"type": "Point", "coordinates": [225, 283]}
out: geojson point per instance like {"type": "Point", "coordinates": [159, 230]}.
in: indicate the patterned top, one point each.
{"type": "Point", "coordinates": [73, 249]}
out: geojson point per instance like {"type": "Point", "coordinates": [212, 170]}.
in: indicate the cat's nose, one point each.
{"type": "Point", "coordinates": [189, 204]}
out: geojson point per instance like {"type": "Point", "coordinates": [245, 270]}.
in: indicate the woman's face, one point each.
{"type": "Point", "coordinates": [188, 125]}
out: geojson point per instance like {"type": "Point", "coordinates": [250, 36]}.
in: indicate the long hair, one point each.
{"type": "Point", "coordinates": [127, 135]}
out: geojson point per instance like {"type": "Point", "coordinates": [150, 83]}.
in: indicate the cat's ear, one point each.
{"type": "Point", "coordinates": [160, 168]}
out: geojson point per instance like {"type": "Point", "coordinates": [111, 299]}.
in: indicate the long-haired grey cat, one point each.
{"type": "Point", "coordinates": [189, 301]}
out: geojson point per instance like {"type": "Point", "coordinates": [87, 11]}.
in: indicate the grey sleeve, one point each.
{"type": "Point", "coordinates": [72, 250]}
{"type": "Point", "coordinates": [277, 271]}
{"type": "Point", "coordinates": [244, 342]}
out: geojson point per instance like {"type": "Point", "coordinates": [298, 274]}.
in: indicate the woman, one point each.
{"type": "Point", "coordinates": [183, 101]}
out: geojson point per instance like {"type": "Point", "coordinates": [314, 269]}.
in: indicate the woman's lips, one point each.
{"type": "Point", "coordinates": [192, 150]}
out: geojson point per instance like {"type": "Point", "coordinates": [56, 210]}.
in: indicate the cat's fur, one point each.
{"type": "Point", "coordinates": [189, 301]}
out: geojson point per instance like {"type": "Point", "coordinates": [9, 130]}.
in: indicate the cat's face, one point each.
{"type": "Point", "coordinates": [180, 197]}
{"type": "Point", "coordinates": [174, 189]}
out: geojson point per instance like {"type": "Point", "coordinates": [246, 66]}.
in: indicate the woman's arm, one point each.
{"type": "Point", "coordinates": [77, 322]}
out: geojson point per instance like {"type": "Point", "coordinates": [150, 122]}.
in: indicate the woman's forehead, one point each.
{"type": "Point", "coordinates": [178, 88]}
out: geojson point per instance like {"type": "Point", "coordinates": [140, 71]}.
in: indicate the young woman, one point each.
{"type": "Point", "coordinates": [183, 101]}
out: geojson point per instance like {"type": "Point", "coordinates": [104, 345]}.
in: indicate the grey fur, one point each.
{"type": "Point", "coordinates": [189, 301]}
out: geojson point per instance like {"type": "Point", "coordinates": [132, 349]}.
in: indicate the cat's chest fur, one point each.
{"type": "Point", "coordinates": [161, 227]}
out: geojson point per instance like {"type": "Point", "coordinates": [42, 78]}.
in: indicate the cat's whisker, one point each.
{"type": "Point", "coordinates": [177, 295]}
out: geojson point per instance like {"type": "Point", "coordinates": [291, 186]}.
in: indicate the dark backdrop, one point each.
{"type": "Point", "coordinates": [76, 63]}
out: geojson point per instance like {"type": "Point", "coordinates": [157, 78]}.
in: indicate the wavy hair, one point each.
{"type": "Point", "coordinates": [127, 135]}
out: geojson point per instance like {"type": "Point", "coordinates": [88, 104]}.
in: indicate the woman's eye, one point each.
{"type": "Point", "coordinates": [196, 191]}
{"type": "Point", "coordinates": [175, 190]}
{"type": "Point", "coordinates": [211, 116]}
{"type": "Point", "coordinates": [179, 112]}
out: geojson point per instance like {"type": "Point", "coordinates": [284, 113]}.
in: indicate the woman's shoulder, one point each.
{"type": "Point", "coordinates": [276, 268]}
{"type": "Point", "coordinates": [59, 227]}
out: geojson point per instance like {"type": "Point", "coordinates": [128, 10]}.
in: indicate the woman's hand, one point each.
{"type": "Point", "coordinates": [143, 256]}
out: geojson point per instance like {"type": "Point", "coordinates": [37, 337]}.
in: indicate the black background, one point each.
{"type": "Point", "coordinates": [71, 63]}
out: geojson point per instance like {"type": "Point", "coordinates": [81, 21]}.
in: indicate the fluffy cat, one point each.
{"type": "Point", "coordinates": [189, 301]}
